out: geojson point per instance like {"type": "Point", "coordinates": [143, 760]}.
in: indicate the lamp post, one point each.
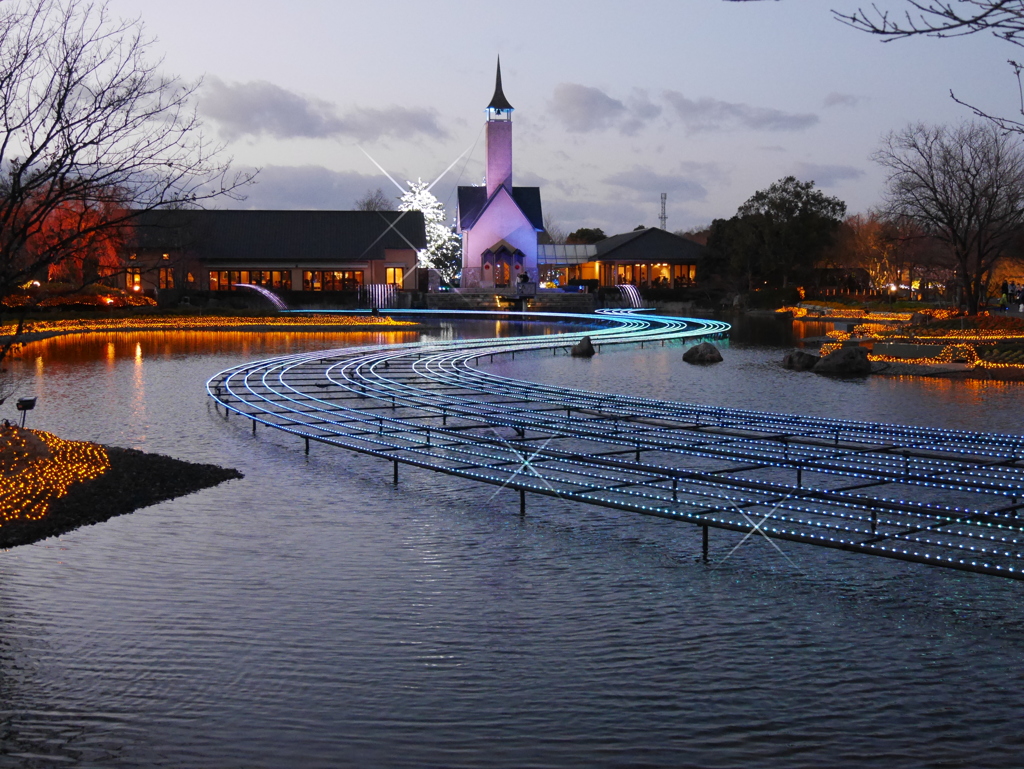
{"type": "Point", "coordinates": [25, 405]}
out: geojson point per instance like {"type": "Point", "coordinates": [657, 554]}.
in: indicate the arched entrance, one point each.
{"type": "Point", "coordinates": [502, 264]}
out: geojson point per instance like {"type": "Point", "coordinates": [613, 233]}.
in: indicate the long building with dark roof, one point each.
{"type": "Point", "coordinates": [287, 250]}
{"type": "Point", "coordinates": [648, 257]}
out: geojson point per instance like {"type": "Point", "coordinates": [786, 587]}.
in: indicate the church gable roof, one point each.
{"type": "Point", "coordinates": [473, 202]}
{"type": "Point", "coordinates": [240, 235]}
{"type": "Point", "coordinates": [649, 245]}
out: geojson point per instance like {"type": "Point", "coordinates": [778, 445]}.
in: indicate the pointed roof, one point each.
{"type": "Point", "coordinates": [473, 201]}
{"type": "Point", "coordinates": [498, 101]}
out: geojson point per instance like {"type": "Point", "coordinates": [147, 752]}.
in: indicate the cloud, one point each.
{"type": "Point", "coordinates": [260, 108]}
{"type": "Point", "coordinates": [613, 217]}
{"type": "Point", "coordinates": [311, 188]}
{"type": "Point", "coordinates": [581, 108]}
{"type": "Point", "coordinates": [826, 175]}
{"type": "Point", "coordinates": [641, 109]}
{"type": "Point", "coordinates": [836, 99]}
{"type": "Point", "coordinates": [707, 114]}
{"type": "Point", "coordinates": [645, 180]}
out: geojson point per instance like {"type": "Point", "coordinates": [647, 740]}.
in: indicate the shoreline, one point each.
{"type": "Point", "coordinates": [38, 336]}
{"type": "Point", "coordinates": [135, 479]}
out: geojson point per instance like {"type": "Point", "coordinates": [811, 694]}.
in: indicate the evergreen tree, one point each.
{"type": "Point", "coordinates": [444, 248]}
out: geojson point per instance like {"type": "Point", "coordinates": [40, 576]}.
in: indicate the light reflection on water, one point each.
{"type": "Point", "coordinates": [313, 614]}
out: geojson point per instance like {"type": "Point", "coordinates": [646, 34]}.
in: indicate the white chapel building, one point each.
{"type": "Point", "coordinates": [499, 223]}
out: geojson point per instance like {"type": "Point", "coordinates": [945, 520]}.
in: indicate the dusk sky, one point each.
{"type": "Point", "coordinates": [615, 103]}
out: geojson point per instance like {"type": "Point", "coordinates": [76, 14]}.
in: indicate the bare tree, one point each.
{"type": "Point", "coordinates": [963, 186]}
{"type": "Point", "coordinates": [91, 134]}
{"type": "Point", "coordinates": [944, 19]}
{"type": "Point", "coordinates": [375, 200]}
{"type": "Point", "coordinates": [554, 230]}
{"type": "Point", "coordinates": [939, 18]}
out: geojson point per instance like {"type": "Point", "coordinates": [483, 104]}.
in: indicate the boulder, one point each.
{"type": "Point", "coordinates": [583, 349]}
{"type": "Point", "coordinates": [846, 361]}
{"type": "Point", "coordinates": [702, 353]}
{"type": "Point", "coordinates": [798, 360]}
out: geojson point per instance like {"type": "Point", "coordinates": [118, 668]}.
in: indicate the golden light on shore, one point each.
{"type": "Point", "coordinates": [205, 323]}
{"type": "Point", "coordinates": [834, 313]}
{"type": "Point", "coordinates": [958, 345]}
{"type": "Point", "coordinates": [38, 467]}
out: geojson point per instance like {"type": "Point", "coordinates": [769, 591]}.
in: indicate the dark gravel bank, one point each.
{"type": "Point", "coordinates": [135, 479]}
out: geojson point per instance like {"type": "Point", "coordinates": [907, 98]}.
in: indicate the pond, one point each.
{"type": "Point", "coordinates": [314, 614]}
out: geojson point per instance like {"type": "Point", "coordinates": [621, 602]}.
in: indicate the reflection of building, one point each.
{"type": "Point", "coordinates": [650, 257]}
{"type": "Point", "coordinates": [282, 250]}
{"type": "Point", "coordinates": [499, 223]}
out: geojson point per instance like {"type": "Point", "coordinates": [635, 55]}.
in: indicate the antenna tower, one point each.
{"type": "Point", "coordinates": [663, 218]}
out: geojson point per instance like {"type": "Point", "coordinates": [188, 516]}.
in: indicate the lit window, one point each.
{"type": "Point", "coordinates": [395, 276]}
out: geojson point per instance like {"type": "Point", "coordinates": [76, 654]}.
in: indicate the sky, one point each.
{"type": "Point", "coordinates": [615, 103]}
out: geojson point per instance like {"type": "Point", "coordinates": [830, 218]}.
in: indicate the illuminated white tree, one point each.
{"type": "Point", "coordinates": [444, 248]}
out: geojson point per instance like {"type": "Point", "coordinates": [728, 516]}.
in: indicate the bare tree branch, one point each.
{"type": "Point", "coordinates": [89, 125]}
{"type": "Point", "coordinates": [965, 187]}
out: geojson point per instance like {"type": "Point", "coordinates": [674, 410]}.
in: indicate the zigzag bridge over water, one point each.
{"type": "Point", "coordinates": [946, 498]}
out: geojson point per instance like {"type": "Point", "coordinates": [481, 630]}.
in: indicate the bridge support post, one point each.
{"type": "Point", "coordinates": [522, 502]}
{"type": "Point", "coordinates": [307, 446]}
{"type": "Point", "coordinates": [799, 477]}
{"type": "Point", "coordinates": [704, 544]}
{"type": "Point", "coordinates": [395, 479]}
{"type": "Point", "coordinates": [254, 427]}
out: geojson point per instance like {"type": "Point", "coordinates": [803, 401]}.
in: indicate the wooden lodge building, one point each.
{"type": "Point", "coordinates": [646, 258]}
{"type": "Point", "coordinates": [309, 251]}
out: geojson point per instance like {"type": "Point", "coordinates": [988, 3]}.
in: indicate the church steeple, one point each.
{"type": "Point", "coordinates": [499, 104]}
{"type": "Point", "coordinates": [499, 139]}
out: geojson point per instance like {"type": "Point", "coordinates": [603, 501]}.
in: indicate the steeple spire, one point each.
{"type": "Point", "coordinates": [498, 101]}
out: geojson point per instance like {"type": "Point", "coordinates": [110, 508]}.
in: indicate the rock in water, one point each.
{"type": "Point", "coordinates": [584, 348]}
{"type": "Point", "coordinates": [846, 361]}
{"type": "Point", "coordinates": [702, 353]}
{"type": "Point", "coordinates": [798, 360]}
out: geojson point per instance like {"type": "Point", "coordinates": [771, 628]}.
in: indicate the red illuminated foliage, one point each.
{"type": "Point", "coordinates": [92, 238]}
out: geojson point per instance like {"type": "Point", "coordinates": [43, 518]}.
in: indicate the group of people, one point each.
{"type": "Point", "coordinates": [1013, 296]}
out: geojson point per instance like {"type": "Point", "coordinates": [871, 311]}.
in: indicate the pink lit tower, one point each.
{"type": "Point", "coordinates": [499, 223]}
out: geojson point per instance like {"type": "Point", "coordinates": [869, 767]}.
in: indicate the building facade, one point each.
{"type": "Point", "coordinates": [200, 250]}
{"type": "Point", "coordinates": [648, 258]}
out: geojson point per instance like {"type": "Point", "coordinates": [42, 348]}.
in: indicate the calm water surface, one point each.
{"type": "Point", "coordinates": [314, 615]}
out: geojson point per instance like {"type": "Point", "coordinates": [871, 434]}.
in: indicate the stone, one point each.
{"type": "Point", "coordinates": [583, 349]}
{"type": "Point", "coordinates": [702, 353]}
{"type": "Point", "coordinates": [798, 360]}
{"type": "Point", "coordinates": [846, 361]}
{"type": "Point", "coordinates": [920, 319]}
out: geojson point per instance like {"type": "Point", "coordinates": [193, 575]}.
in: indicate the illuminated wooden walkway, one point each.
{"type": "Point", "coordinates": [943, 497]}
